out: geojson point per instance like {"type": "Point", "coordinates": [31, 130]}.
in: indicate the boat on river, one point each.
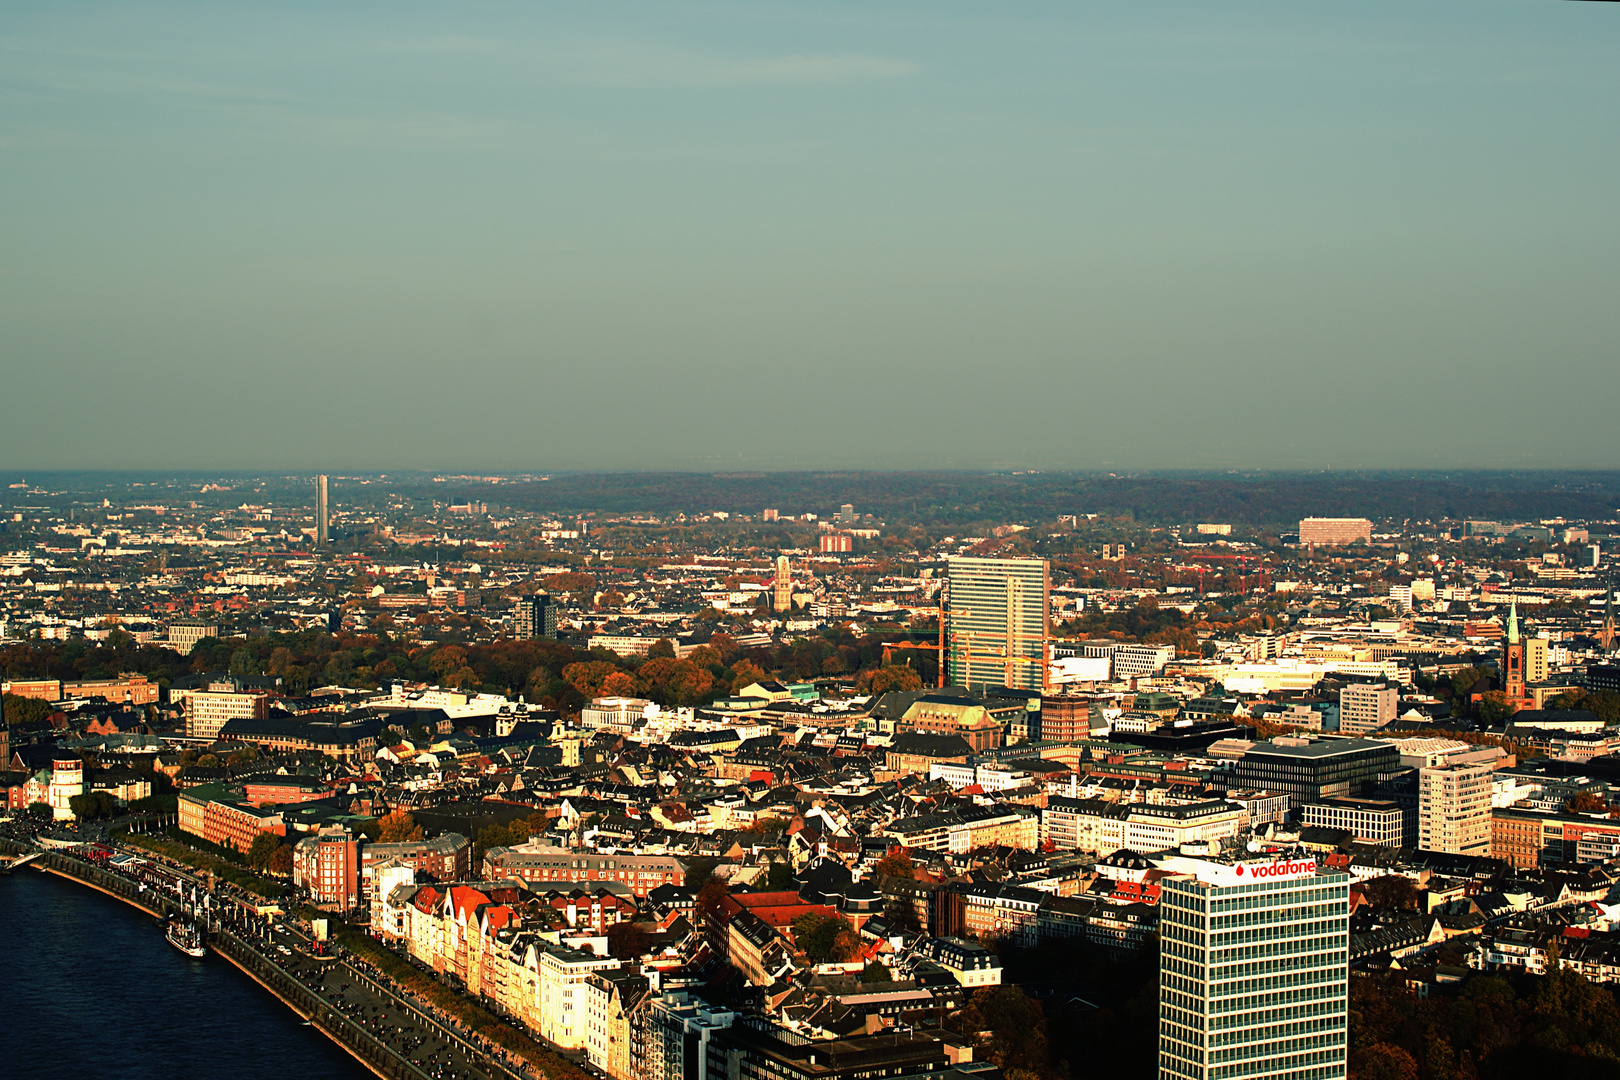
{"type": "Point", "coordinates": [187, 938]}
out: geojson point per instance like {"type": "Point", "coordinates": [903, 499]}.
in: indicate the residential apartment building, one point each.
{"type": "Point", "coordinates": [959, 831]}
{"type": "Point", "coordinates": [613, 1000]}
{"type": "Point", "coordinates": [1528, 838]}
{"type": "Point", "coordinates": [675, 1034]}
{"type": "Point", "coordinates": [1334, 532]}
{"type": "Point", "coordinates": [969, 963]}
{"type": "Point", "coordinates": [328, 865]}
{"type": "Point", "coordinates": [1101, 827]}
{"type": "Point", "coordinates": [447, 857]}
{"type": "Point", "coordinates": [1454, 809]}
{"type": "Point", "coordinates": [535, 616]}
{"type": "Point", "coordinates": [1254, 976]}
{"type": "Point", "coordinates": [563, 1006]}
{"type": "Point", "coordinates": [1365, 707]}
{"type": "Point", "coordinates": [539, 865]}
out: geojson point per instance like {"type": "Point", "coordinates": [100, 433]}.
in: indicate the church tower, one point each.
{"type": "Point", "coordinates": [1513, 658]}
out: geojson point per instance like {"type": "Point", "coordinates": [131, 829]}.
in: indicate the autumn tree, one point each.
{"type": "Point", "coordinates": [896, 863]}
{"type": "Point", "coordinates": [746, 673]}
{"type": "Point", "coordinates": [1392, 891]}
{"type": "Point", "coordinates": [896, 678]}
{"type": "Point", "coordinates": [1015, 1028]}
{"type": "Point", "coordinates": [627, 940]}
{"type": "Point", "coordinates": [587, 676]}
{"type": "Point", "coordinates": [619, 684]}
{"type": "Point", "coordinates": [398, 827]}
{"type": "Point", "coordinates": [281, 860]}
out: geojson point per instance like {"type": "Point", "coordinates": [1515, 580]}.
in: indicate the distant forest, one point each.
{"type": "Point", "coordinates": [1268, 500]}
{"type": "Point", "coordinates": [1276, 500]}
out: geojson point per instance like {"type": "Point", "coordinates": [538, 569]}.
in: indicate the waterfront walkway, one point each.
{"type": "Point", "coordinates": [395, 1036]}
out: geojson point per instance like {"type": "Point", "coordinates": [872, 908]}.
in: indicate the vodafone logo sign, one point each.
{"type": "Point", "coordinates": [1283, 868]}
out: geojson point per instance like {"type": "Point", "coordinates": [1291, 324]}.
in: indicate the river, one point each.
{"type": "Point", "coordinates": [97, 992]}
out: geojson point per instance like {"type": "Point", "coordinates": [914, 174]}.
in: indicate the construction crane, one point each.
{"type": "Point", "coordinates": [890, 646]}
{"type": "Point", "coordinates": [1243, 568]}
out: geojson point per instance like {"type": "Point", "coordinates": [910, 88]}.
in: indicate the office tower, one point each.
{"type": "Point", "coordinates": [1513, 657]}
{"type": "Point", "coordinates": [1536, 659]}
{"type": "Point", "coordinates": [1454, 809]}
{"type": "Point", "coordinates": [1254, 979]}
{"type": "Point", "coordinates": [784, 584]}
{"type": "Point", "coordinates": [1589, 556]}
{"type": "Point", "coordinates": [535, 616]}
{"type": "Point", "coordinates": [1365, 707]}
{"type": "Point", "coordinates": [1400, 598]}
{"type": "Point", "coordinates": [846, 514]}
{"type": "Point", "coordinates": [1334, 532]}
{"type": "Point", "coordinates": [996, 622]}
{"type": "Point", "coordinates": [323, 512]}
{"type": "Point", "coordinates": [1310, 770]}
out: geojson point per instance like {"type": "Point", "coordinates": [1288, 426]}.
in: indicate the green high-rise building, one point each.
{"type": "Point", "coordinates": [996, 622]}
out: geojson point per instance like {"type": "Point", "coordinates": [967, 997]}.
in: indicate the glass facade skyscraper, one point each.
{"type": "Point", "coordinates": [1254, 977]}
{"type": "Point", "coordinates": [996, 622]}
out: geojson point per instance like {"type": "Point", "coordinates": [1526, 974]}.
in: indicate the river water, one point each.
{"type": "Point", "coordinates": [97, 992]}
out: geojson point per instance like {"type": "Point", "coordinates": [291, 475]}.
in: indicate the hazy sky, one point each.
{"type": "Point", "coordinates": [778, 235]}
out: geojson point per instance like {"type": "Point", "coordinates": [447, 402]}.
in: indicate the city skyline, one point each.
{"type": "Point", "coordinates": [1138, 238]}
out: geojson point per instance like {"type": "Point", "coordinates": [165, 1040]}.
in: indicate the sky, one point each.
{"type": "Point", "coordinates": [775, 235]}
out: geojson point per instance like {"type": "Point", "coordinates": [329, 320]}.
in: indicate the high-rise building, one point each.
{"type": "Point", "coordinates": [1334, 532]}
{"type": "Point", "coordinates": [1400, 598]}
{"type": "Point", "coordinates": [1365, 707]}
{"type": "Point", "coordinates": [996, 622]}
{"type": "Point", "coordinates": [323, 511]}
{"type": "Point", "coordinates": [846, 514]}
{"type": "Point", "coordinates": [1454, 809]}
{"type": "Point", "coordinates": [1537, 659]}
{"type": "Point", "coordinates": [836, 543]}
{"type": "Point", "coordinates": [770, 515]}
{"type": "Point", "coordinates": [783, 599]}
{"type": "Point", "coordinates": [1254, 977]}
{"type": "Point", "coordinates": [535, 616]}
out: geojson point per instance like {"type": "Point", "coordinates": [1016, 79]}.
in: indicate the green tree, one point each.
{"type": "Point", "coordinates": [28, 714]}
{"type": "Point", "coordinates": [824, 938]}
{"type": "Point", "coordinates": [875, 973]}
{"type": "Point", "coordinates": [262, 850]}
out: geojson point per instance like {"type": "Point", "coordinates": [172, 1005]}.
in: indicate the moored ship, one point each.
{"type": "Point", "coordinates": [187, 938]}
